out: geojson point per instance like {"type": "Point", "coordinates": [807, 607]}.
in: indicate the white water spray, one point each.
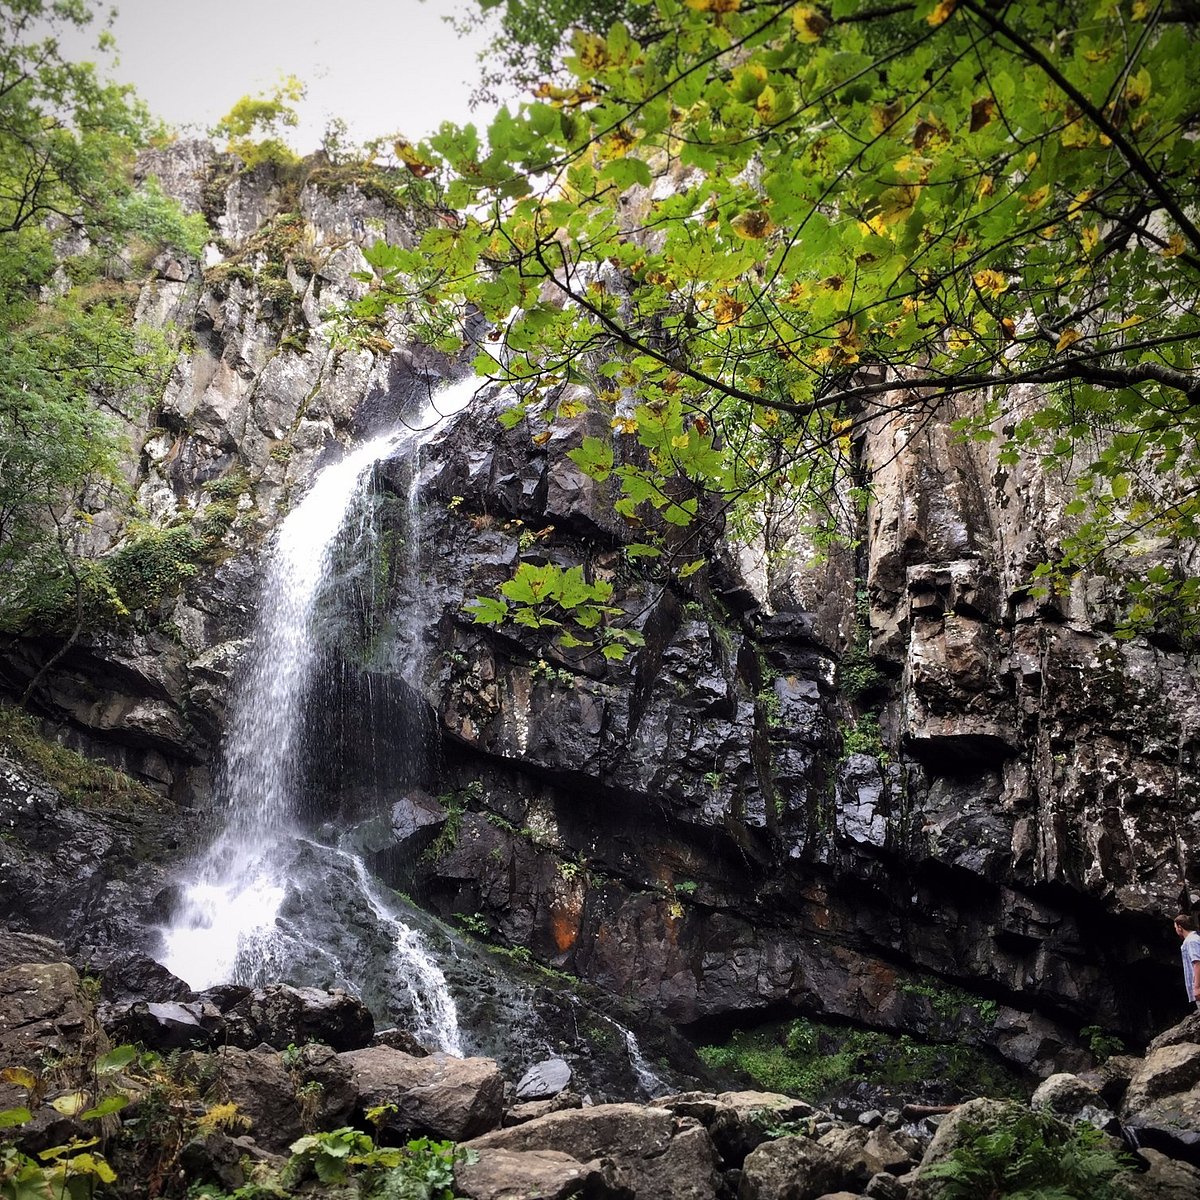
{"type": "Point", "coordinates": [228, 926]}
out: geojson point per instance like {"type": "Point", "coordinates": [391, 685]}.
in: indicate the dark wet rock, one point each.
{"type": "Point", "coordinates": [43, 1009]}
{"type": "Point", "coordinates": [264, 1092]}
{"type": "Point", "coordinates": [213, 1157]}
{"type": "Point", "coordinates": [132, 975]}
{"type": "Point", "coordinates": [737, 1122]}
{"type": "Point", "coordinates": [885, 1187]}
{"type": "Point", "coordinates": [169, 1025]}
{"type": "Point", "coordinates": [437, 1096]}
{"type": "Point", "coordinates": [282, 1016]}
{"type": "Point", "coordinates": [16, 949]}
{"type": "Point", "coordinates": [543, 1080]}
{"type": "Point", "coordinates": [1162, 1103]}
{"type": "Point", "coordinates": [400, 1039]}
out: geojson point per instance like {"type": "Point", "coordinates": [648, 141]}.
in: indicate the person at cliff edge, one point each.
{"type": "Point", "coordinates": [1186, 928]}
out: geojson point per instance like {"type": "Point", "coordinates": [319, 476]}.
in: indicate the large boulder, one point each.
{"type": "Point", "coordinates": [1072, 1099]}
{"type": "Point", "coordinates": [438, 1096]}
{"type": "Point", "coordinates": [738, 1121]}
{"type": "Point", "coordinates": [1162, 1103]}
{"type": "Point", "coordinates": [283, 1016]}
{"type": "Point", "coordinates": [263, 1090]}
{"type": "Point", "coordinates": [497, 1174]}
{"type": "Point", "coordinates": [651, 1153]}
{"type": "Point", "coordinates": [44, 1010]}
{"type": "Point", "coordinates": [791, 1168]}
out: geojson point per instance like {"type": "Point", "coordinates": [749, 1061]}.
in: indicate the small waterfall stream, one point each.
{"type": "Point", "coordinates": [247, 912]}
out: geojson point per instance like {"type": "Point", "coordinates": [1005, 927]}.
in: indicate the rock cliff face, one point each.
{"type": "Point", "coordinates": [888, 786]}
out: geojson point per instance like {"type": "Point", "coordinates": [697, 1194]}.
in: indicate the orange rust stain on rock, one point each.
{"type": "Point", "coordinates": [564, 924]}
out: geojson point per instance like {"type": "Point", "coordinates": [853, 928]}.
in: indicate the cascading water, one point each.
{"type": "Point", "coordinates": [246, 914]}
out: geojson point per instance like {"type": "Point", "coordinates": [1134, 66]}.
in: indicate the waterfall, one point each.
{"type": "Point", "coordinates": [248, 911]}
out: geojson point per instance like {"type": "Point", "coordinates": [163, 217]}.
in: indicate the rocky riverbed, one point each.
{"type": "Point", "coordinates": [242, 1086]}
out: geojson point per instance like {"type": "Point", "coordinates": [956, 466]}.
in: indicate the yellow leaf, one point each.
{"type": "Point", "coordinates": [1009, 326]}
{"type": "Point", "coordinates": [624, 424]}
{"type": "Point", "coordinates": [992, 282]}
{"type": "Point", "coordinates": [592, 50]}
{"type": "Point", "coordinates": [679, 441]}
{"type": "Point", "coordinates": [765, 106]}
{"type": "Point", "coordinates": [728, 310]}
{"type": "Point", "coordinates": [752, 225]}
{"type": "Point", "coordinates": [1076, 205]}
{"type": "Point", "coordinates": [959, 339]}
{"type": "Point", "coordinates": [70, 1103]}
{"type": "Point", "coordinates": [1175, 246]}
{"type": "Point", "coordinates": [893, 206]}
{"type": "Point", "coordinates": [942, 12]}
{"type": "Point", "coordinates": [1067, 338]}
{"type": "Point", "coordinates": [912, 164]}
{"type": "Point", "coordinates": [1077, 134]}
{"type": "Point", "coordinates": [987, 185]}
{"type": "Point", "coordinates": [823, 356]}
{"type": "Point", "coordinates": [714, 6]}
{"type": "Point", "coordinates": [809, 23]}
{"type": "Point", "coordinates": [1140, 9]}
{"type": "Point", "coordinates": [884, 116]}
{"type": "Point", "coordinates": [1038, 197]}
{"type": "Point", "coordinates": [849, 343]}
{"type": "Point", "coordinates": [1090, 236]}
{"type": "Point", "coordinates": [409, 156]}
{"type": "Point", "coordinates": [1138, 88]}
{"type": "Point", "coordinates": [540, 439]}
{"type": "Point", "coordinates": [20, 1077]}
{"type": "Point", "coordinates": [841, 425]}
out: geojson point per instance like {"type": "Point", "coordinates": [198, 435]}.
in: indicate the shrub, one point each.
{"type": "Point", "coordinates": [1023, 1155]}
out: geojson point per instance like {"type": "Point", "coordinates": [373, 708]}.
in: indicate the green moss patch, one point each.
{"type": "Point", "coordinates": [80, 780]}
{"type": "Point", "coordinates": [812, 1060]}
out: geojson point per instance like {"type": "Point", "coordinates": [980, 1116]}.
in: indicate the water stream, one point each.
{"type": "Point", "coordinates": [248, 909]}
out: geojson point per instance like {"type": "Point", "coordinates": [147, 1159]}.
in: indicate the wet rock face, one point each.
{"type": "Point", "coordinates": [838, 788]}
{"type": "Point", "coordinates": [690, 825]}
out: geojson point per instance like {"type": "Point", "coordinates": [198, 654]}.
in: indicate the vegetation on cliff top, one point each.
{"type": "Point", "coordinates": [753, 229]}
{"type": "Point", "coordinates": [74, 367]}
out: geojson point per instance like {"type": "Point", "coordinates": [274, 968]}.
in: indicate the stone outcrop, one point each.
{"type": "Point", "coordinates": [838, 789]}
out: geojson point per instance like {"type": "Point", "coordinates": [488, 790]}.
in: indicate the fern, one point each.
{"type": "Point", "coordinates": [1022, 1155]}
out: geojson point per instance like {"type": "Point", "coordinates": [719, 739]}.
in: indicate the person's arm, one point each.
{"type": "Point", "coordinates": [1195, 965]}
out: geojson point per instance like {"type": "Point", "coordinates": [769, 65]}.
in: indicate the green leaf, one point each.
{"type": "Point", "coordinates": [691, 568]}
{"type": "Point", "coordinates": [614, 651]}
{"type": "Point", "coordinates": [11, 1117]}
{"type": "Point", "coordinates": [594, 457]}
{"type": "Point", "coordinates": [487, 610]}
{"type": "Point", "coordinates": [116, 1060]}
{"type": "Point", "coordinates": [641, 550]}
{"type": "Point", "coordinates": [626, 172]}
{"type": "Point", "coordinates": [110, 1104]}
{"type": "Point", "coordinates": [532, 584]}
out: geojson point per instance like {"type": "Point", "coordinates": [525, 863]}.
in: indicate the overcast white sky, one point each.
{"type": "Point", "coordinates": [384, 66]}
